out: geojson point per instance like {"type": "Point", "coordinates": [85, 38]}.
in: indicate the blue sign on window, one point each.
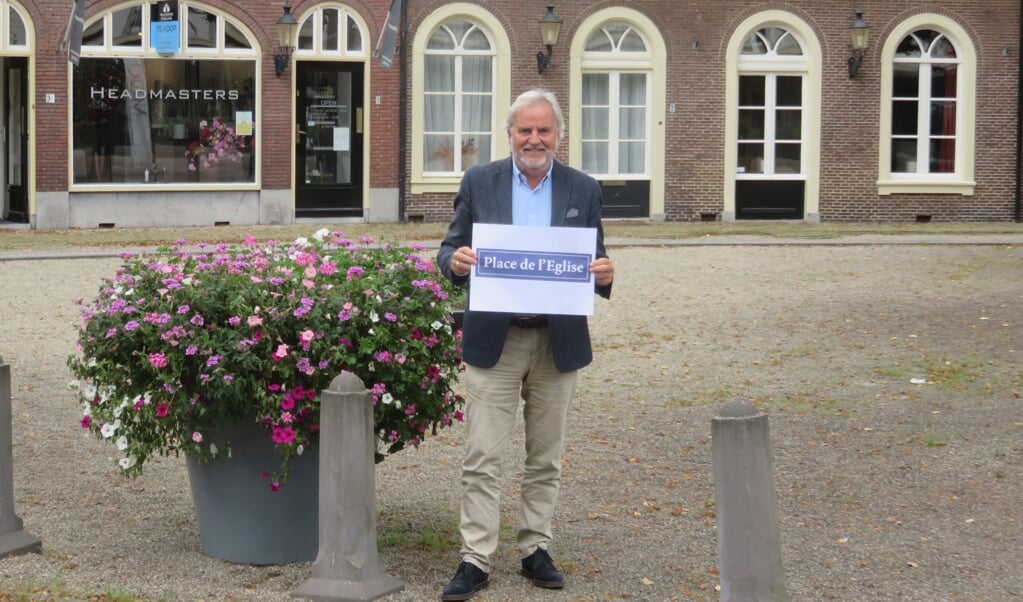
{"type": "Point", "coordinates": [164, 28]}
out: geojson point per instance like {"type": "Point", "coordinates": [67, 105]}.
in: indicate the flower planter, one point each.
{"type": "Point", "coordinates": [240, 519]}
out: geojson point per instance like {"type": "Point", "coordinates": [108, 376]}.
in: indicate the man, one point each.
{"type": "Point", "coordinates": [509, 357]}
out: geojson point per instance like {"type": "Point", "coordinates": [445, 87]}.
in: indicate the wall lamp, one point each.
{"type": "Point", "coordinates": [550, 27]}
{"type": "Point", "coordinates": [859, 31]}
{"type": "Point", "coordinates": [285, 38]}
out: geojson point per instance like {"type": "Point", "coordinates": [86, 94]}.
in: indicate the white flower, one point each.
{"type": "Point", "coordinates": [300, 450]}
{"type": "Point", "coordinates": [213, 448]}
{"type": "Point", "coordinates": [301, 240]}
{"type": "Point", "coordinates": [436, 325]}
{"type": "Point", "coordinates": [386, 399]}
{"type": "Point", "coordinates": [108, 429]}
{"type": "Point", "coordinates": [373, 317]}
{"type": "Point", "coordinates": [122, 443]}
{"type": "Point", "coordinates": [321, 234]}
{"type": "Point", "coordinates": [126, 463]}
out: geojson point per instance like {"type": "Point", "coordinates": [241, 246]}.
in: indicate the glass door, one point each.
{"type": "Point", "coordinates": [328, 151]}
{"type": "Point", "coordinates": [15, 139]}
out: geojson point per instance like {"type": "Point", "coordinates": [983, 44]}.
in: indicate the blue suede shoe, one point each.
{"type": "Point", "coordinates": [468, 580]}
{"type": "Point", "coordinates": [539, 568]}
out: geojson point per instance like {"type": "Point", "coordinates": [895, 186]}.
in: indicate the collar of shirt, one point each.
{"type": "Point", "coordinates": [531, 206]}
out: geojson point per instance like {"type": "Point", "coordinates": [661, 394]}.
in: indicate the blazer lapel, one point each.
{"type": "Point", "coordinates": [503, 190]}
{"type": "Point", "coordinates": [561, 193]}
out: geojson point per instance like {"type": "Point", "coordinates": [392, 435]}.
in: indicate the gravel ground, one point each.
{"type": "Point", "coordinates": [891, 374]}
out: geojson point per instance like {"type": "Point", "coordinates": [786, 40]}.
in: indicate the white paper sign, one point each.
{"type": "Point", "coordinates": [342, 139]}
{"type": "Point", "coordinates": [533, 270]}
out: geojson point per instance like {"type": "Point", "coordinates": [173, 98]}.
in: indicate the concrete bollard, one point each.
{"type": "Point", "coordinates": [13, 539]}
{"type": "Point", "coordinates": [749, 546]}
{"type": "Point", "coordinates": [347, 565]}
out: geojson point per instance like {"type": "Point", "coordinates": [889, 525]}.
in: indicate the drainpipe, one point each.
{"type": "Point", "coordinates": [1019, 117]}
{"type": "Point", "coordinates": [403, 111]}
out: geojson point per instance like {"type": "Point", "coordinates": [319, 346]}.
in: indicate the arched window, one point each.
{"type": "Point", "coordinates": [155, 108]}
{"type": "Point", "coordinates": [927, 114]}
{"type": "Point", "coordinates": [615, 105]}
{"type": "Point", "coordinates": [459, 110]}
{"type": "Point", "coordinates": [772, 119]}
{"type": "Point", "coordinates": [331, 32]}
{"type": "Point", "coordinates": [924, 97]}
{"type": "Point", "coordinates": [459, 95]}
{"type": "Point", "coordinates": [13, 21]}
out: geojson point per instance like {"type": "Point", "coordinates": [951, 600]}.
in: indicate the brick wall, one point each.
{"type": "Point", "coordinates": [696, 35]}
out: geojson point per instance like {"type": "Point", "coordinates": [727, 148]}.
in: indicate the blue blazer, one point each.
{"type": "Point", "coordinates": [485, 196]}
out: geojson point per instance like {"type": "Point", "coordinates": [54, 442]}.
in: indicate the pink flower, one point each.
{"type": "Point", "coordinates": [306, 336]}
{"type": "Point", "coordinates": [158, 360]}
{"type": "Point", "coordinates": [254, 321]}
{"type": "Point", "coordinates": [283, 434]}
{"type": "Point", "coordinates": [280, 353]}
{"type": "Point", "coordinates": [162, 409]}
{"type": "Point", "coordinates": [86, 421]}
{"type": "Point", "coordinates": [197, 437]}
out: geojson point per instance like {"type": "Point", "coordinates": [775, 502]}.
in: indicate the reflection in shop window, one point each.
{"type": "Point", "coordinates": [163, 121]}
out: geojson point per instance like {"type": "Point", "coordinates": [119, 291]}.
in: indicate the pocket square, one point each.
{"type": "Point", "coordinates": [573, 212]}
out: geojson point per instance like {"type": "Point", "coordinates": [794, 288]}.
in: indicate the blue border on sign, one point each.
{"type": "Point", "coordinates": [540, 265]}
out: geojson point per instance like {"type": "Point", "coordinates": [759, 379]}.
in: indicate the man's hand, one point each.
{"type": "Point", "coordinates": [603, 271]}
{"type": "Point", "coordinates": [462, 261]}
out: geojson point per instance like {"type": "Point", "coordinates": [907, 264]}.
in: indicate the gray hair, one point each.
{"type": "Point", "coordinates": [530, 98]}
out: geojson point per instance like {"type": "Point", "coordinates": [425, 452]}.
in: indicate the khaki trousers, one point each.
{"type": "Point", "coordinates": [525, 373]}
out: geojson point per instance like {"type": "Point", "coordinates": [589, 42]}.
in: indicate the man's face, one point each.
{"type": "Point", "coordinates": [534, 139]}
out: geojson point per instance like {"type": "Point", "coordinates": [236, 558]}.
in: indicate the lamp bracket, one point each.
{"type": "Point", "coordinates": [544, 60]}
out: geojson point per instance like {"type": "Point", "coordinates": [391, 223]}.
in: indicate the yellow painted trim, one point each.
{"type": "Point", "coordinates": [811, 67]}
{"type": "Point", "coordinates": [656, 65]}
{"type": "Point", "coordinates": [502, 92]}
{"type": "Point", "coordinates": [966, 112]}
{"type": "Point", "coordinates": [888, 187]}
{"type": "Point", "coordinates": [30, 98]}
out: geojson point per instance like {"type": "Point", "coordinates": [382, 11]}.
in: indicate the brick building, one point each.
{"type": "Point", "coordinates": [177, 112]}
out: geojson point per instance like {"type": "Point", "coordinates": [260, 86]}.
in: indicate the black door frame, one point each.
{"type": "Point", "coordinates": [329, 199]}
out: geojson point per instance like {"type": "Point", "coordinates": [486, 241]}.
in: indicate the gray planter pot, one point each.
{"type": "Point", "coordinates": [240, 519]}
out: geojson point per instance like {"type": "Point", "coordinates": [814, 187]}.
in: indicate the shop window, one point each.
{"type": "Point", "coordinates": [140, 117]}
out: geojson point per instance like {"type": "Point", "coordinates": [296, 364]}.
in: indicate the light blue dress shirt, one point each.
{"type": "Point", "coordinates": [531, 206]}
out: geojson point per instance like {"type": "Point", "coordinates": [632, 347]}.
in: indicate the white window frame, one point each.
{"type": "Point", "coordinates": [809, 66]}
{"type": "Point", "coordinates": [961, 181]}
{"type": "Point", "coordinates": [615, 63]}
{"type": "Point", "coordinates": [342, 51]}
{"type": "Point", "coordinates": [653, 62]}
{"type": "Point", "coordinates": [424, 182]}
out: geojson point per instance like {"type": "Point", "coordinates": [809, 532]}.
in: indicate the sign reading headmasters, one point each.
{"type": "Point", "coordinates": [164, 28]}
{"type": "Point", "coordinates": [533, 270]}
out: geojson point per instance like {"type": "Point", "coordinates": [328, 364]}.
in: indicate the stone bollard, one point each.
{"type": "Point", "coordinates": [749, 547]}
{"type": "Point", "coordinates": [347, 566]}
{"type": "Point", "coordinates": [13, 539]}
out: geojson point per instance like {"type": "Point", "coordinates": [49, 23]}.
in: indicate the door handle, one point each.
{"type": "Point", "coordinates": [358, 120]}
{"type": "Point", "coordinates": [298, 130]}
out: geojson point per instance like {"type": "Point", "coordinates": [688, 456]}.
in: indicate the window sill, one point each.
{"type": "Point", "coordinates": [887, 187]}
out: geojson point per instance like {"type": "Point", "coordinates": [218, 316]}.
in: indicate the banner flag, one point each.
{"type": "Point", "coordinates": [74, 47]}
{"type": "Point", "coordinates": [388, 42]}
